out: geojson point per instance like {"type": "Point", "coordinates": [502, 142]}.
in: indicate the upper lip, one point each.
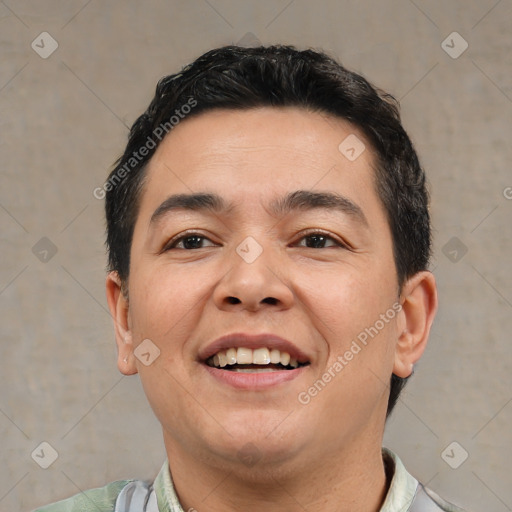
{"type": "Point", "coordinates": [252, 341]}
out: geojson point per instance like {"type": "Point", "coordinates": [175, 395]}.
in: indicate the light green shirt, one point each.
{"type": "Point", "coordinates": [399, 498]}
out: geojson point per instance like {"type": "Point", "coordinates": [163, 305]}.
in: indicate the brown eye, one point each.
{"type": "Point", "coordinates": [318, 240]}
{"type": "Point", "coordinates": [188, 242]}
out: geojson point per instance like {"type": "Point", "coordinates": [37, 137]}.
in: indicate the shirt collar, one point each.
{"type": "Point", "coordinates": [403, 485]}
{"type": "Point", "coordinates": [399, 498]}
{"type": "Point", "coordinates": [165, 493]}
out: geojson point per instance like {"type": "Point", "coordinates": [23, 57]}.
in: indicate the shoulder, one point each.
{"type": "Point", "coordinates": [102, 499]}
{"type": "Point", "coordinates": [407, 493]}
{"type": "Point", "coordinates": [441, 504]}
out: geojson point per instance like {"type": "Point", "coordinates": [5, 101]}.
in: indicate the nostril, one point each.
{"type": "Point", "coordinates": [270, 300]}
{"type": "Point", "coordinates": [233, 300]}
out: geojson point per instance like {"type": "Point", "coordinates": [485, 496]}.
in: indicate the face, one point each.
{"type": "Point", "coordinates": [286, 250]}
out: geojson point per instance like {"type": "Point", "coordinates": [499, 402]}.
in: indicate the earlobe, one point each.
{"type": "Point", "coordinates": [419, 306]}
{"type": "Point", "coordinates": [119, 310]}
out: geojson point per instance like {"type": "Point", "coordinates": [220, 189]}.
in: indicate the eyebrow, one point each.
{"type": "Point", "coordinates": [300, 200]}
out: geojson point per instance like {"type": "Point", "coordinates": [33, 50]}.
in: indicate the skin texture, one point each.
{"type": "Point", "coordinates": [325, 455]}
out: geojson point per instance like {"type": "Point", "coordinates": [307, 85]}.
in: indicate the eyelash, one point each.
{"type": "Point", "coordinates": [190, 234]}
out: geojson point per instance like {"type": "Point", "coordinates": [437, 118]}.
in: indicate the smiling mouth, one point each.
{"type": "Point", "coordinates": [260, 360]}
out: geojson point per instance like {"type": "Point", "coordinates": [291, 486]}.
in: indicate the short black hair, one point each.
{"type": "Point", "coordinates": [239, 78]}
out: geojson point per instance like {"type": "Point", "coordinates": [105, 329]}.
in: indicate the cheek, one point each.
{"type": "Point", "coordinates": [166, 307]}
{"type": "Point", "coordinates": [358, 342]}
{"type": "Point", "coordinates": [354, 314]}
{"type": "Point", "coordinates": [345, 301]}
{"type": "Point", "coordinates": [166, 301]}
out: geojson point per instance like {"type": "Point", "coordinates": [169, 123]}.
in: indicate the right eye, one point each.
{"type": "Point", "coordinates": [188, 241]}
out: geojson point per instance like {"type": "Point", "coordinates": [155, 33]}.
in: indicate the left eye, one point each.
{"type": "Point", "coordinates": [318, 241]}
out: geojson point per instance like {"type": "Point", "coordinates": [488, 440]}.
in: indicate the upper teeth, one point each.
{"type": "Point", "coordinates": [242, 355]}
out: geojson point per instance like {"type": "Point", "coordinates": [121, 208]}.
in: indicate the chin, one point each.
{"type": "Point", "coordinates": [257, 461]}
{"type": "Point", "coordinates": [259, 443]}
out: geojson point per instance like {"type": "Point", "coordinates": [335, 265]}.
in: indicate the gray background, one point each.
{"type": "Point", "coordinates": [64, 121]}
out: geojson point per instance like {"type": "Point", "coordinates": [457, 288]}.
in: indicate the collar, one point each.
{"type": "Point", "coordinates": [403, 485]}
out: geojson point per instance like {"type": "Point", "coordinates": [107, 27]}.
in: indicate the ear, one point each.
{"type": "Point", "coordinates": [419, 306]}
{"type": "Point", "coordinates": [119, 309]}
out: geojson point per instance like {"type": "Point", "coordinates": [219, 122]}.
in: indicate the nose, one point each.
{"type": "Point", "coordinates": [255, 284]}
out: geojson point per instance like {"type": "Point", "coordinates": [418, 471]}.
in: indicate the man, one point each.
{"type": "Point", "coordinates": [269, 239]}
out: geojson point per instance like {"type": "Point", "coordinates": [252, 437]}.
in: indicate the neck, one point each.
{"type": "Point", "coordinates": [352, 479]}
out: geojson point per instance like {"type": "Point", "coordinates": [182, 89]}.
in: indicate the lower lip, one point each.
{"type": "Point", "coordinates": [254, 381]}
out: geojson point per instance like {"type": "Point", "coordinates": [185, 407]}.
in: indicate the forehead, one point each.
{"type": "Point", "coordinates": [294, 132]}
{"type": "Point", "coordinates": [244, 155]}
